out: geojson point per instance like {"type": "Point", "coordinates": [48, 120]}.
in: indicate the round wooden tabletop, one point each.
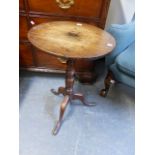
{"type": "Point", "coordinates": [71, 39]}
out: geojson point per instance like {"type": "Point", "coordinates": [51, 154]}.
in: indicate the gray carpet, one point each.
{"type": "Point", "coordinates": [106, 129]}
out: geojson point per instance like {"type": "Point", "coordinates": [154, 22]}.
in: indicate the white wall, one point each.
{"type": "Point", "coordinates": [120, 12]}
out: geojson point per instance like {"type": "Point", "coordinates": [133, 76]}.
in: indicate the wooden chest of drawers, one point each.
{"type": "Point", "coordinates": [33, 12]}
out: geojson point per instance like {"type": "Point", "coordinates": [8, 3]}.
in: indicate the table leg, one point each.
{"type": "Point", "coordinates": [61, 90]}
{"type": "Point", "coordinates": [62, 110]}
{"type": "Point", "coordinates": [68, 93]}
{"type": "Point", "coordinates": [79, 96]}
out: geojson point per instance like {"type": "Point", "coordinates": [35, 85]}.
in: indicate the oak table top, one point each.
{"type": "Point", "coordinates": [69, 39]}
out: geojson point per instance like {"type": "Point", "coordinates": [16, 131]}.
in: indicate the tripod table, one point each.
{"type": "Point", "coordinates": [70, 41]}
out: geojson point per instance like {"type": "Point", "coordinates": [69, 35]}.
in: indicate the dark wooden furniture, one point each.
{"type": "Point", "coordinates": [33, 12]}
{"type": "Point", "coordinates": [74, 40]}
{"type": "Point", "coordinates": [108, 83]}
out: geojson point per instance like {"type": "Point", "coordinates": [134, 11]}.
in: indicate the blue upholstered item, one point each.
{"type": "Point", "coordinates": [121, 60]}
{"type": "Point", "coordinates": [121, 77]}
{"type": "Point", "coordinates": [126, 60]}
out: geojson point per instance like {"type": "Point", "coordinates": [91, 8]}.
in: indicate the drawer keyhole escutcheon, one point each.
{"type": "Point", "coordinates": [65, 4]}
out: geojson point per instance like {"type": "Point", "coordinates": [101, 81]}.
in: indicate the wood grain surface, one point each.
{"type": "Point", "coordinates": [71, 39]}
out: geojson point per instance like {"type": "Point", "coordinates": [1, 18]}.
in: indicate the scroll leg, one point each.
{"type": "Point", "coordinates": [62, 110]}
{"type": "Point", "coordinates": [108, 82]}
{"type": "Point", "coordinates": [79, 96]}
{"type": "Point", "coordinates": [61, 90]}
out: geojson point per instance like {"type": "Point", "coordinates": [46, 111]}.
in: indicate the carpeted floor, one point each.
{"type": "Point", "coordinates": [106, 129]}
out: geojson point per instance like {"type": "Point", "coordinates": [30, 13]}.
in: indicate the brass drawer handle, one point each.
{"type": "Point", "coordinates": [65, 4]}
{"type": "Point", "coordinates": [62, 60]}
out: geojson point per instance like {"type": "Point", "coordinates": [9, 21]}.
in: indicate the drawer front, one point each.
{"type": "Point", "coordinates": [21, 4]}
{"type": "Point", "coordinates": [46, 60]}
{"type": "Point", "coordinates": [84, 8]}
{"type": "Point", "coordinates": [23, 27]}
{"type": "Point", "coordinates": [38, 20]}
{"type": "Point", "coordinates": [25, 55]}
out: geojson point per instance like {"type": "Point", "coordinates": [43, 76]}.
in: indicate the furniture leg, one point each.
{"type": "Point", "coordinates": [61, 90]}
{"type": "Point", "coordinates": [68, 93]}
{"type": "Point", "coordinates": [79, 96]}
{"type": "Point", "coordinates": [70, 77]}
{"type": "Point", "coordinates": [62, 110]}
{"type": "Point", "coordinates": [107, 84]}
